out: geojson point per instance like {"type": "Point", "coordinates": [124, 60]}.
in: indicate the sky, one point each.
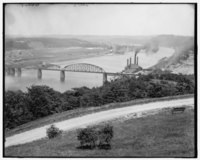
{"type": "Point", "coordinates": [99, 19]}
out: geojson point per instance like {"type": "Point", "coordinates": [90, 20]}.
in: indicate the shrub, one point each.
{"type": "Point", "coordinates": [105, 135]}
{"type": "Point", "coordinates": [87, 137]}
{"type": "Point", "coordinates": [53, 132]}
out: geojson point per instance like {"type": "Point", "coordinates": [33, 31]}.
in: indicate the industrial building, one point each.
{"type": "Point", "coordinates": [132, 67]}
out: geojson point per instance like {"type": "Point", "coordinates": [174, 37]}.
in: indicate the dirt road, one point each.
{"type": "Point", "coordinates": [94, 118]}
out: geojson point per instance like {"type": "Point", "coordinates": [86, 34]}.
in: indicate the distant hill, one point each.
{"type": "Point", "coordinates": [38, 43]}
{"type": "Point", "coordinates": [182, 61]}
{"type": "Point", "coordinates": [118, 40]}
{"type": "Point", "coordinates": [161, 40]}
{"type": "Point", "coordinates": [173, 40]}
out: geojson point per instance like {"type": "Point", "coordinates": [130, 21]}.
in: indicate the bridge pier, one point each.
{"type": "Point", "coordinates": [19, 72]}
{"type": "Point", "coordinates": [8, 71]}
{"type": "Point", "coordinates": [12, 71]}
{"type": "Point", "coordinates": [104, 77]}
{"type": "Point", "coordinates": [39, 74]}
{"type": "Point", "coordinates": [62, 75]}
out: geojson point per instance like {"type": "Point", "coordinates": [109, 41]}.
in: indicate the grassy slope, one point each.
{"type": "Point", "coordinates": [160, 135]}
{"type": "Point", "coordinates": [83, 111]}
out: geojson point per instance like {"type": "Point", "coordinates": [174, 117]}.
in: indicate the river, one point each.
{"type": "Point", "coordinates": [110, 63]}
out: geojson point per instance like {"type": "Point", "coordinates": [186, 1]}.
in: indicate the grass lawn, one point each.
{"type": "Point", "coordinates": [159, 135]}
{"type": "Point", "coordinates": [83, 111]}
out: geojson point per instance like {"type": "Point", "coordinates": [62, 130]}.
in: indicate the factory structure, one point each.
{"type": "Point", "coordinates": [132, 67]}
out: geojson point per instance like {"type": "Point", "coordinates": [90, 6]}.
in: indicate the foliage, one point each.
{"type": "Point", "coordinates": [105, 135]}
{"type": "Point", "coordinates": [15, 109]}
{"type": "Point", "coordinates": [53, 132]}
{"type": "Point", "coordinates": [72, 98]}
{"type": "Point", "coordinates": [41, 101]}
{"type": "Point", "coordinates": [87, 137]}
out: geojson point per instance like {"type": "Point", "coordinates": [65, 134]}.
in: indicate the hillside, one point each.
{"type": "Point", "coordinates": [182, 61]}
{"type": "Point", "coordinates": [173, 40]}
{"type": "Point", "coordinates": [118, 40]}
{"type": "Point", "coordinates": [155, 134]}
{"type": "Point", "coordinates": [44, 42]}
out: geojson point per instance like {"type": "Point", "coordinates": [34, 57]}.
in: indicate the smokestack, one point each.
{"type": "Point", "coordinates": [135, 56]}
{"type": "Point", "coordinates": [130, 61]}
{"type": "Point", "coordinates": [137, 60]}
{"type": "Point", "coordinates": [136, 52]}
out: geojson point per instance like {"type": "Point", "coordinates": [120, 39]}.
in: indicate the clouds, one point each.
{"type": "Point", "coordinates": [123, 19]}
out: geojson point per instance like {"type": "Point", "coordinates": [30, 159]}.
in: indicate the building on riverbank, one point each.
{"type": "Point", "coordinates": [132, 67]}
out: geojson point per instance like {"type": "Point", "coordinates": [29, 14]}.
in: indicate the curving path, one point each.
{"type": "Point", "coordinates": [94, 118]}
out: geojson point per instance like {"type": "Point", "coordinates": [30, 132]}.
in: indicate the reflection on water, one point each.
{"type": "Point", "coordinates": [110, 63]}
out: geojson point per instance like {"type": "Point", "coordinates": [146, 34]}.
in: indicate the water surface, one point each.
{"type": "Point", "coordinates": [110, 63]}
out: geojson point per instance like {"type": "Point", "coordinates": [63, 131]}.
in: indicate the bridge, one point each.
{"type": "Point", "coordinates": [79, 67]}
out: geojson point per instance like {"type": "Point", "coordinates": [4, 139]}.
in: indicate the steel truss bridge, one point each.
{"type": "Point", "coordinates": [78, 67]}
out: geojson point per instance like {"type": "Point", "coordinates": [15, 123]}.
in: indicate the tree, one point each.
{"type": "Point", "coordinates": [40, 101]}
{"type": "Point", "coordinates": [16, 110]}
{"type": "Point", "coordinates": [137, 89]}
{"type": "Point", "coordinates": [43, 101]}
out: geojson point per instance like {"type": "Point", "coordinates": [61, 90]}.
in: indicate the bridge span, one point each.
{"type": "Point", "coordinates": [79, 67]}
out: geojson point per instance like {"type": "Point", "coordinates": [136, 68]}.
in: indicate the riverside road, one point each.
{"type": "Point", "coordinates": [94, 118]}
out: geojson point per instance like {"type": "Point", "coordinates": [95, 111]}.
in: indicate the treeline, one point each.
{"type": "Point", "coordinates": [40, 101]}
